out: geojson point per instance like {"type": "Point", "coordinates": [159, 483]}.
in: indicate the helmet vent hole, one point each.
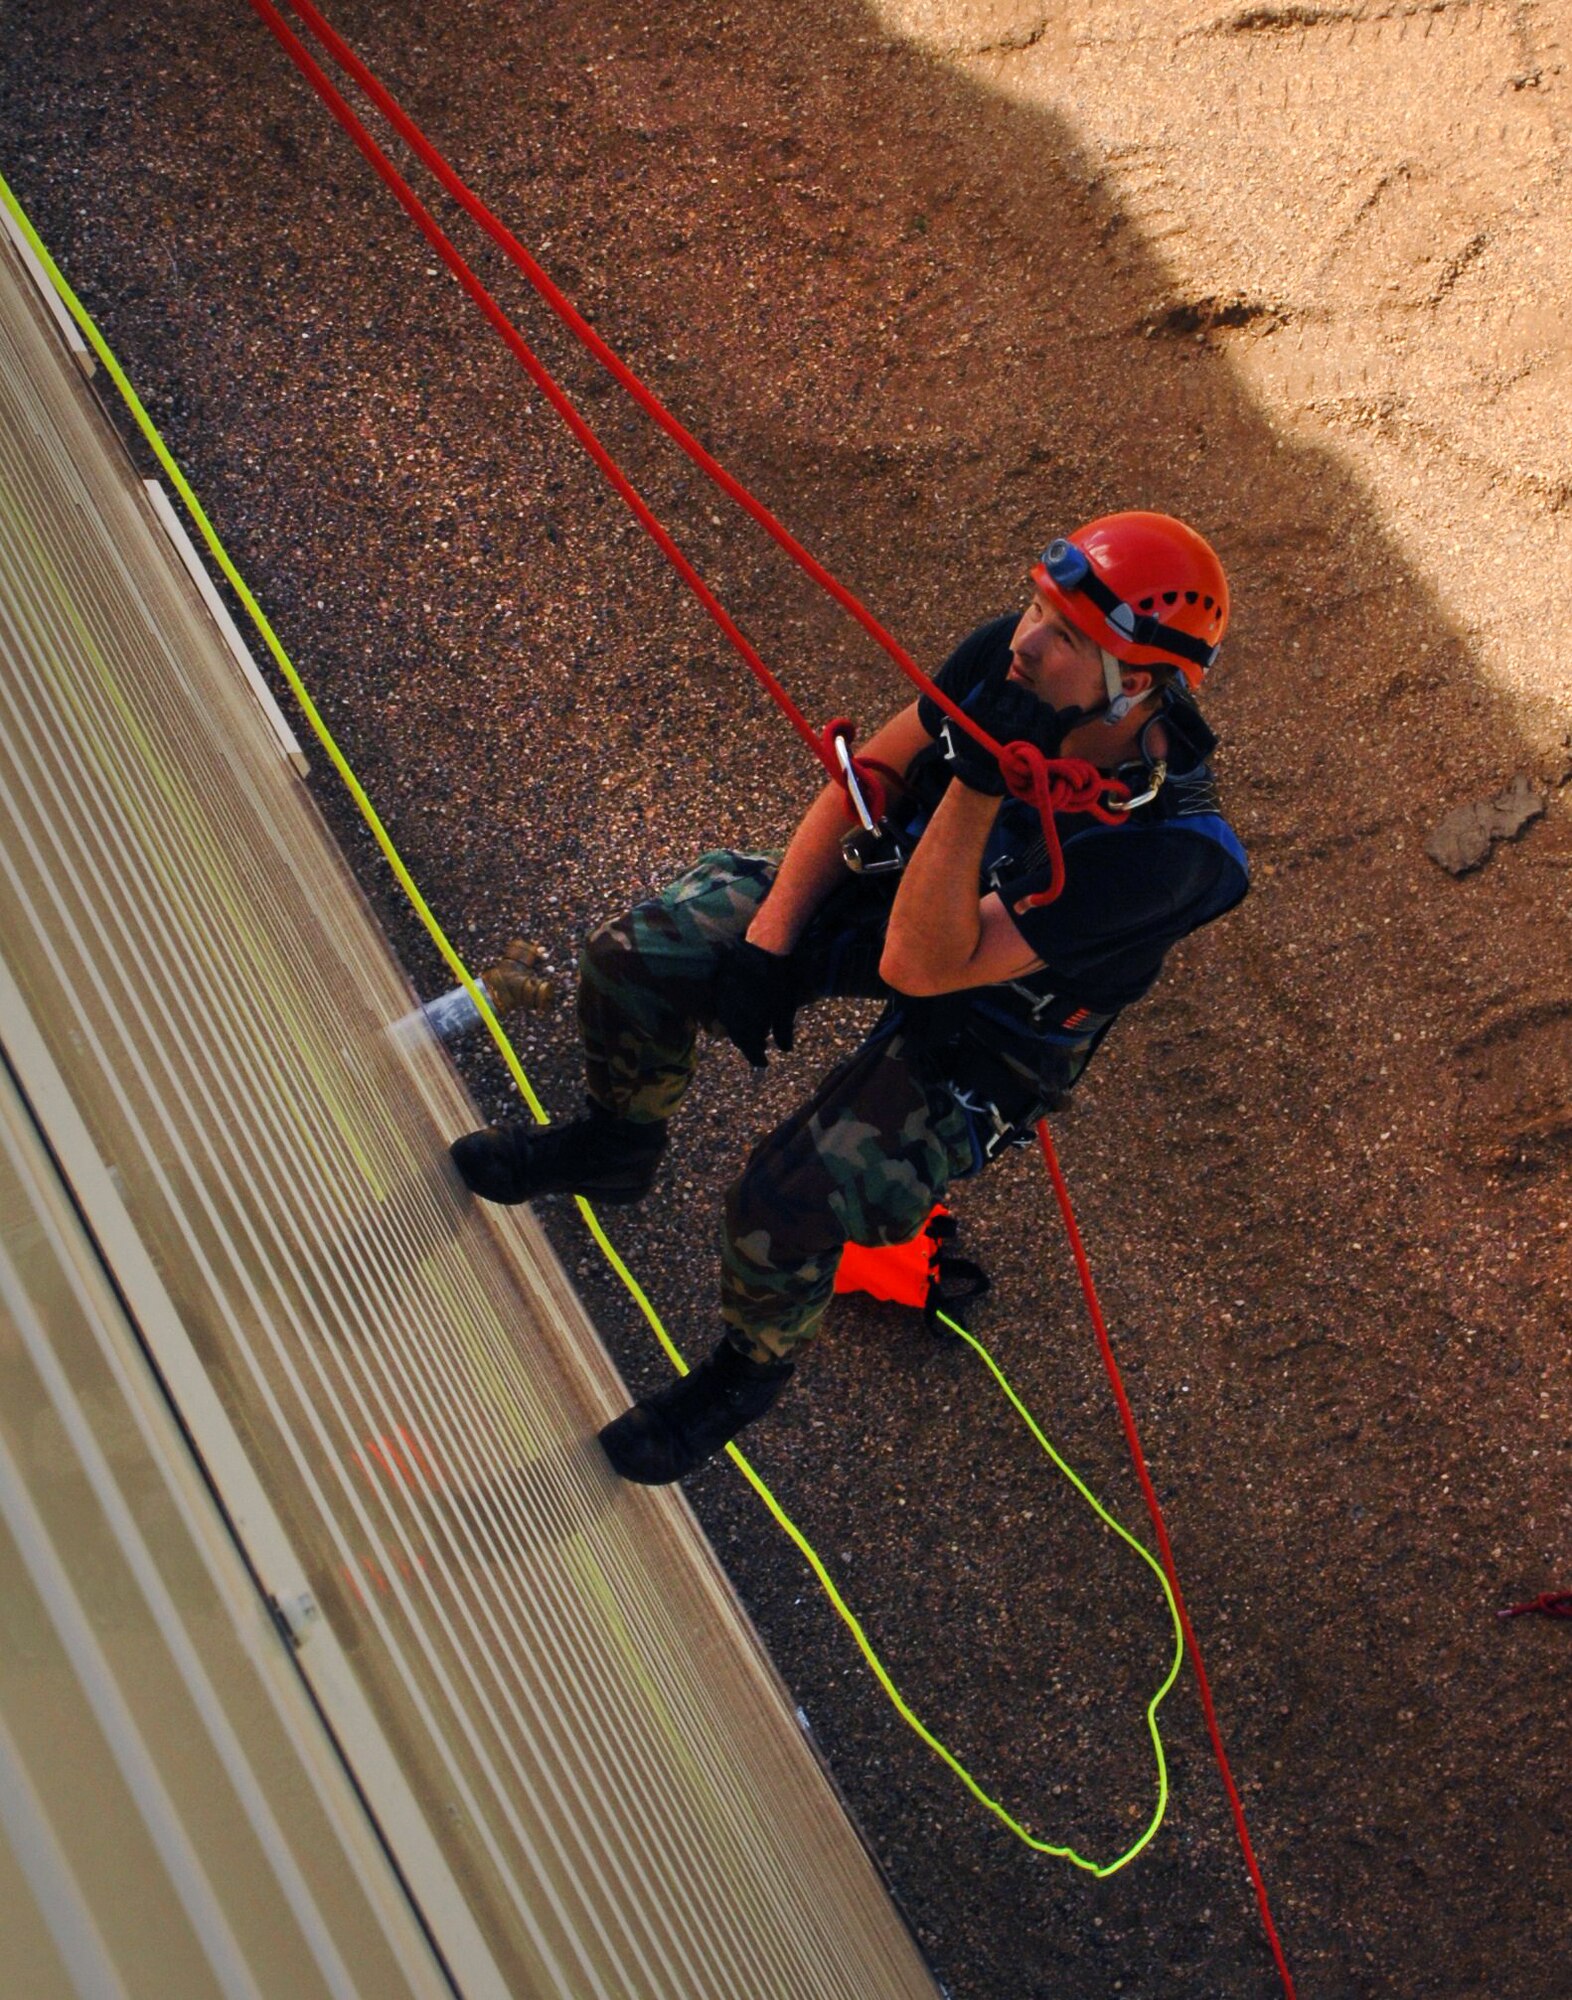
{"type": "Point", "coordinates": [1207, 602]}
{"type": "Point", "coordinates": [1190, 597]}
{"type": "Point", "coordinates": [1170, 597]}
{"type": "Point", "coordinates": [1147, 603]}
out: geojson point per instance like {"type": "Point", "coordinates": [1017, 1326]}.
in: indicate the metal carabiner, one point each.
{"type": "Point", "coordinates": [1159, 773]}
{"type": "Point", "coordinates": [853, 789]}
{"type": "Point", "coordinates": [975, 1107]}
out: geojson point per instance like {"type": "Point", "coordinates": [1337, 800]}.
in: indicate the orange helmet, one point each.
{"type": "Point", "coordinates": [1142, 587]}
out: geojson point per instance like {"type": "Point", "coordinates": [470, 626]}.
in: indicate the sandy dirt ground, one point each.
{"type": "Point", "coordinates": [939, 278]}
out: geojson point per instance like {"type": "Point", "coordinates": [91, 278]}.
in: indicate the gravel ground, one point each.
{"type": "Point", "coordinates": [937, 281]}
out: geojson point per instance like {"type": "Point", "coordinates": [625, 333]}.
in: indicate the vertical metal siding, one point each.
{"type": "Point", "coordinates": [606, 1764]}
{"type": "Point", "coordinates": [164, 1790]}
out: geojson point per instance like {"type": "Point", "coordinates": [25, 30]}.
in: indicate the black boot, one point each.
{"type": "Point", "coordinates": [610, 1159]}
{"type": "Point", "coordinates": [664, 1437]}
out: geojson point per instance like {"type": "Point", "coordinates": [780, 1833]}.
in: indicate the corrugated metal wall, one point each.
{"type": "Point", "coordinates": [175, 1820]}
{"type": "Point", "coordinates": [587, 1773]}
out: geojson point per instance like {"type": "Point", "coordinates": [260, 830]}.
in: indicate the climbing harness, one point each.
{"type": "Point", "coordinates": [1008, 1053]}
{"type": "Point", "coordinates": [1052, 786]}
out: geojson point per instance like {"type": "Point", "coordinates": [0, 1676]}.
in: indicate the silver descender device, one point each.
{"type": "Point", "coordinates": [873, 847]}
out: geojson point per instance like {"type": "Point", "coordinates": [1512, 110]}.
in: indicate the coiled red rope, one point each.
{"type": "Point", "coordinates": [1058, 785]}
{"type": "Point", "coordinates": [1053, 785]}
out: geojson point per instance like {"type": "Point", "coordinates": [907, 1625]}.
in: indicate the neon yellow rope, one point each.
{"type": "Point", "coordinates": [477, 994]}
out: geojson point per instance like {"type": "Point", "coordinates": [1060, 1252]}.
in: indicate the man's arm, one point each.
{"type": "Point", "coordinates": [941, 938]}
{"type": "Point", "coordinates": [813, 863]}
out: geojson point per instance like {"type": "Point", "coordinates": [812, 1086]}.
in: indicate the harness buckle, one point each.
{"type": "Point", "coordinates": [1039, 1002]}
{"type": "Point", "coordinates": [1000, 1134]}
{"type": "Point", "coordinates": [874, 850]}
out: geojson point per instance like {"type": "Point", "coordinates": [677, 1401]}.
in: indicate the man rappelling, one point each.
{"type": "Point", "coordinates": [995, 998]}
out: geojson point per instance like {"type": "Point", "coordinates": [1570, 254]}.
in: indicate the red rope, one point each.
{"type": "Point", "coordinates": [642, 394]}
{"type": "Point", "coordinates": [1548, 1604]}
{"type": "Point", "coordinates": [1160, 1529]}
{"type": "Point", "coordinates": [1038, 789]}
{"type": "Point", "coordinates": [540, 376]}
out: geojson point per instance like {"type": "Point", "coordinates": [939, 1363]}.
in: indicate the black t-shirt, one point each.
{"type": "Point", "coordinates": [1130, 891]}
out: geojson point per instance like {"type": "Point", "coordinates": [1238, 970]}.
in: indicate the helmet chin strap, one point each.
{"type": "Point", "coordinates": [1114, 706]}
{"type": "Point", "coordinates": [1119, 704]}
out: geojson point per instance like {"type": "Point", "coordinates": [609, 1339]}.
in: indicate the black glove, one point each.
{"type": "Point", "coordinates": [755, 997]}
{"type": "Point", "coordinates": [1011, 714]}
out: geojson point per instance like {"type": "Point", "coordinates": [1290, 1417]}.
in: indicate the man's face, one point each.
{"type": "Point", "coordinates": [1050, 657]}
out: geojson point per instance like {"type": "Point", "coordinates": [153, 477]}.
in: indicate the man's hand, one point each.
{"type": "Point", "coordinates": [754, 999]}
{"type": "Point", "coordinates": [1010, 713]}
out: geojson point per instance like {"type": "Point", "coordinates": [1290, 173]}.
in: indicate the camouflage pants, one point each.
{"type": "Point", "coordinates": [863, 1161]}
